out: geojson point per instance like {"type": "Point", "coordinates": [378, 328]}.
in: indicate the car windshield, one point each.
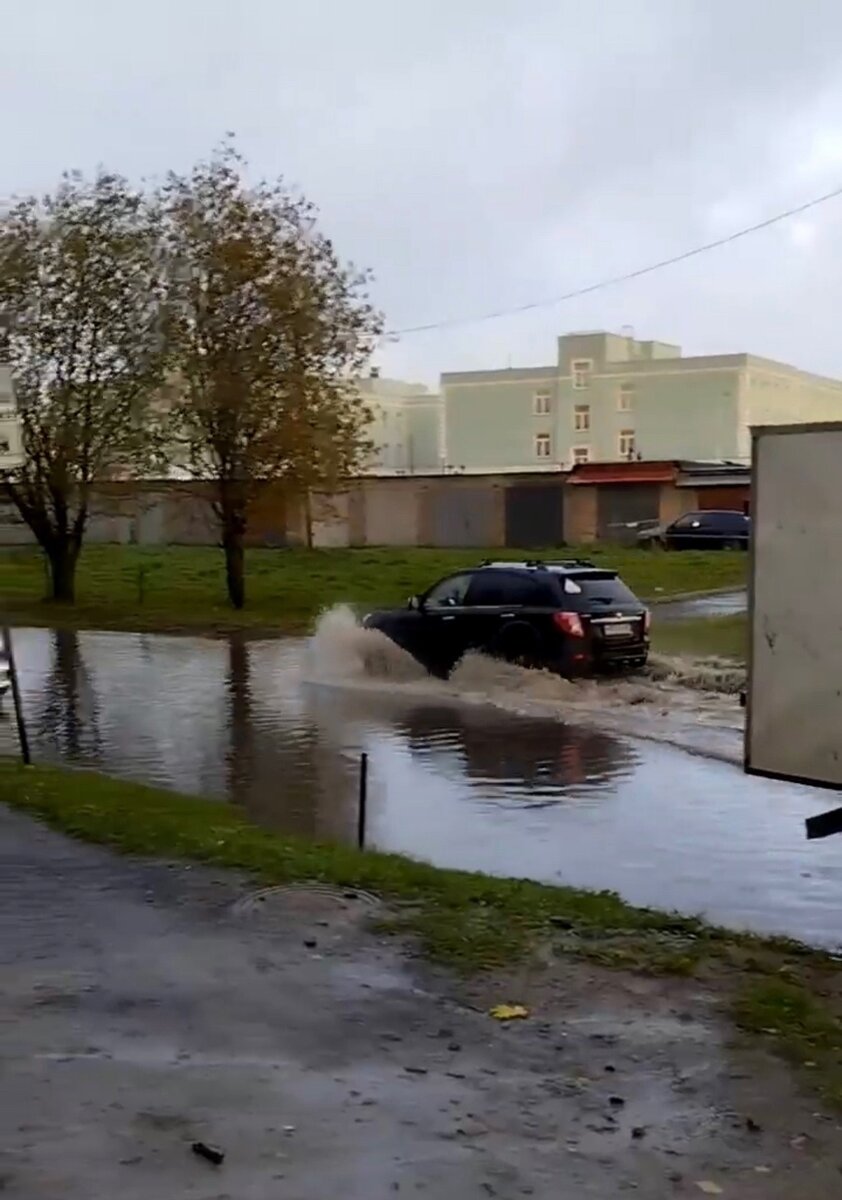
{"type": "Point", "coordinates": [599, 589]}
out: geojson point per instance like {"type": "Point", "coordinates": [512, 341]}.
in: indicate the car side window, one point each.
{"type": "Point", "coordinates": [690, 521]}
{"type": "Point", "coordinates": [449, 593]}
{"type": "Point", "coordinates": [491, 589]}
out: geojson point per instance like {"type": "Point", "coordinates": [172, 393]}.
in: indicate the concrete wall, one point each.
{"type": "Point", "coordinates": [410, 511]}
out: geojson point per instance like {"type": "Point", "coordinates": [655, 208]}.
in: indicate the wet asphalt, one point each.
{"type": "Point", "coordinates": [148, 1006]}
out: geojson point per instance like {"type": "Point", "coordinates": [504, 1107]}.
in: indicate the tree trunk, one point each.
{"type": "Point", "coordinates": [235, 572]}
{"type": "Point", "coordinates": [63, 558]}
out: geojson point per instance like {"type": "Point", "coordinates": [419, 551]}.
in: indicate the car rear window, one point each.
{"type": "Point", "coordinates": [596, 590]}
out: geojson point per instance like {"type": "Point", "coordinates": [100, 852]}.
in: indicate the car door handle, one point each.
{"type": "Point", "coordinates": [505, 616]}
{"type": "Point", "coordinates": [448, 618]}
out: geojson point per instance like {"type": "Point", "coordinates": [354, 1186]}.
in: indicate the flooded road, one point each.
{"type": "Point", "coordinates": [502, 770]}
{"type": "Point", "coordinates": [723, 604]}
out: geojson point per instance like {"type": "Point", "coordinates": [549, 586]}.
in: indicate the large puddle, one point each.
{"type": "Point", "coordinates": [503, 770]}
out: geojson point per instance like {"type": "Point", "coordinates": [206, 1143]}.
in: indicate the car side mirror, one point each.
{"type": "Point", "coordinates": [414, 602]}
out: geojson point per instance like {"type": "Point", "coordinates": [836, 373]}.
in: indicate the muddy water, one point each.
{"type": "Point", "coordinates": [725, 604]}
{"type": "Point", "coordinates": [499, 769]}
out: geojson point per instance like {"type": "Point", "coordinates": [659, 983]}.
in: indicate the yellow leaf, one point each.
{"type": "Point", "coordinates": [509, 1012]}
{"type": "Point", "coordinates": [708, 1187]}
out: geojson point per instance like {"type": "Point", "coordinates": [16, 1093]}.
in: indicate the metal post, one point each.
{"type": "Point", "coordinates": [361, 813]}
{"type": "Point", "coordinates": [16, 698]}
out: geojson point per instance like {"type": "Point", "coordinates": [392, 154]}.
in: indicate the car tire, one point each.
{"type": "Point", "coordinates": [515, 643]}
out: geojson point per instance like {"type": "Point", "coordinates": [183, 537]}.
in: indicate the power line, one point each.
{"type": "Point", "coordinates": [615, 279]}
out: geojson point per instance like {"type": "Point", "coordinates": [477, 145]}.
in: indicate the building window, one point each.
{"type": "Point", "coordinates": [625, 399]}
{"type": "Point", "coordinates": [626, 443]}
{"type": "Point", "coordinates": [542, 445]}
{"type": "Point", "coordinates": [4, 446]}
{"type": "Point", "coordinates": [541, 404]}
{"type": "Point", "coordinates": [581, 369]}
{"type": "Point", "coordinates": [581, 454]}
{"type": "Point", "coordinates": [582, 418]}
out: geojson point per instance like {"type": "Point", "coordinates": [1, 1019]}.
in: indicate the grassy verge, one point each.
{"type": "Point", "coordinates": [702, 637]}
{"type": "Point", "coordinates": [785, 993]}
{"type": "Point", "coordinates": [135, 587]}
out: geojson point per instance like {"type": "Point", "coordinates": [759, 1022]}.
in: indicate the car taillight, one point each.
{"type": "Point", "coordinates": [647, 621]}
{"type": "Point", "coordinates": [569, 623]}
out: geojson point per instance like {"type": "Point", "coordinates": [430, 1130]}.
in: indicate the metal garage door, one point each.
{"type": "Point", "coordinates": [735, 497]}
{"type": "Point", "coordinates": [535, 515]}
{"type": "Point", "coordinates": [462, 516]}
{"type": "Point", "coordinates": [619, 505]}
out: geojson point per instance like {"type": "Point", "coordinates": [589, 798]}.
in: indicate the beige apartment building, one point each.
{"type": "Point", "coordinates": [610, 397]}
{"type": "Point", "coordinates": [10, 432]}
{"type": "Point", "coordinates": [405, 429]}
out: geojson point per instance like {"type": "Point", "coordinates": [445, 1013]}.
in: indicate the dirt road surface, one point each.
{"type": "Point", "coordinates": [146, 1006]}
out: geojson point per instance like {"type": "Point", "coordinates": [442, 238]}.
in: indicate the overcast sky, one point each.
{"type": "Point", "coordinates": [482, 154]}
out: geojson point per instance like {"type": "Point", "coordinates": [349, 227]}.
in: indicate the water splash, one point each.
{"type": "Point", "coordinates": [682, 702]}
{"type": "Point", "coordinates": [720, 675]}
{"type": "Point", "coordinates": [342, 649]}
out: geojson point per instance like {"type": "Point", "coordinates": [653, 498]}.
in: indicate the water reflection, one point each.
{"type": "Point", "coordinates": [540, 760]}
{"type": "Point", "coordinates": [462, 784]}
{"type": "Point", "coordinates": [68, 716]}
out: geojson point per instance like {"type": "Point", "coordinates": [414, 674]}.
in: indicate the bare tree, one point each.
{"type": "Point", "coordinates": [270, 332]}
{"type": "Point", "coordinates": [81, 285]}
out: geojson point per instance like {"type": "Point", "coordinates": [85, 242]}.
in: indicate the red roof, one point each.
{"type": "Point", "coordinates": [624, 472]}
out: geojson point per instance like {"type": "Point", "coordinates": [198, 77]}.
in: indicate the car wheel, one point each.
{"type": "Point", "coordinates": [515, 644]}
{"type": "Point", "coordinates": [733, 544]}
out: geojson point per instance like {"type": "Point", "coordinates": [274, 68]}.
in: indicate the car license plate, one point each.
{"type": "Point", "coordinates": [617, 631]}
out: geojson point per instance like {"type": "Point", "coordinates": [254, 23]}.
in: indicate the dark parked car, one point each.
{"type": "Point", "coordinates": [715, 529]}
{"type": "Point", "coordinates": [568, 616]}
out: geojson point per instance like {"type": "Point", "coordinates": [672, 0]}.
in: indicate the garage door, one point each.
{"type": "Point", "coordinates": [462, 516]}
{"type": "Point", "coordinates": [620, 505]}
{"type": "Point", "coordinates": [535, 515]}
{"type": "Point", "coordinates": [735, 497]}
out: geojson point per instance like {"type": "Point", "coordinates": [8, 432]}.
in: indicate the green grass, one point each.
{"type": "Point", "coordinates": [783, 992]}
{"type": "Point", "coordinates": [702, 637]}
{"type": "Point", "coordinates": [131, 587]}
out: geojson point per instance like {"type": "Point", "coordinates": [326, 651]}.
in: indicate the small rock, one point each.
{"type": "Point", "coordinates": [610, 1069]}
{"type": "Point", "coordinates": [454, 1075]}
{"type": "Point", "coordinates": [638, 1132]}
{"type": "Point", "coordinates": [349, 896]}
{"type": "Point", "coordinates": [416, 1070]}
{"type": "Point", "coordinates": [616, 1101]}
{"type": "Point", "coordinates": [561, 922]}
{"type": "Point", "coordinates": [310, 943]}
{"type": "Point", "coordinates": [752, 1126]}
{"type": "Point", "coordinates": [454, 1047]}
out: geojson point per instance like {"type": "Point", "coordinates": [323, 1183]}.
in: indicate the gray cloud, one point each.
{"type": "Point", "coordinates": [481, 155]}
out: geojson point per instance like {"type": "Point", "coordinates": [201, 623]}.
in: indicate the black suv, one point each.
{"type": "Point", "coordinates": [567, 616]}
{"type": "Point", "coordinates": [712, 529]}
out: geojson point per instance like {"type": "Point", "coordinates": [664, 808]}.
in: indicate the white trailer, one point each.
{"type": "Point", "coordinates": [794, 687]}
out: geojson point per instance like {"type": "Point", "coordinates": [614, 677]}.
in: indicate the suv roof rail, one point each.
{"type": "Point", "coordinates": [560, 562]}
{"type": "Point", "coordinates": [539, 564]}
